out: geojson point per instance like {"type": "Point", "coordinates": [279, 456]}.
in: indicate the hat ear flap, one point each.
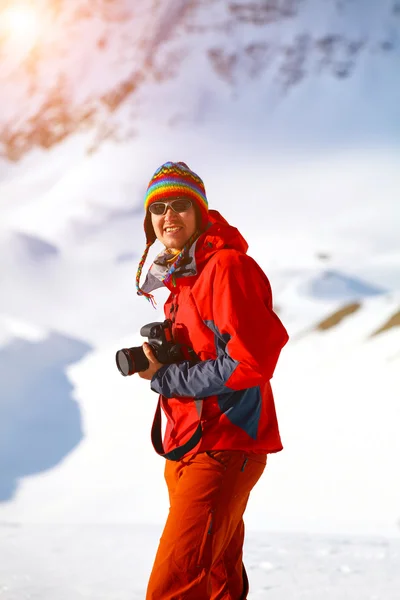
{"type": "Point", "coordinates": [149, 229]}
{"type": "Point", "coordinates": [199, 217]}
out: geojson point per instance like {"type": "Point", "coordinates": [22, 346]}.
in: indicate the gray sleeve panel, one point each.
{"type": "Point", "coordinates": [200, 380]}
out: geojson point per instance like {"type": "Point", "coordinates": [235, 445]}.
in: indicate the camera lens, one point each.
{"type": "Point", "coordinates": [124, 362]}
{"type": "Point", "coordinates": [131, 360]}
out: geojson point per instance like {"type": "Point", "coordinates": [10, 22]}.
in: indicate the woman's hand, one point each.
{"type": "Point", "coordinates": [154, 364]}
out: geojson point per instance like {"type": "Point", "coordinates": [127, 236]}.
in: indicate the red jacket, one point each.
{"type": "Point", "coordinates": [221, 306]}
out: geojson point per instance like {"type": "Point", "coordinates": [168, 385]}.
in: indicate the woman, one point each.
{"type": "Point", "coordinates": [221, 420]}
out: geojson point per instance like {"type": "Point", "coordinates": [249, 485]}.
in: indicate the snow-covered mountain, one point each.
{"type": "Point", "coordinates": [289, 110]}
{"type": "Point", "coordinates": [112, 67]}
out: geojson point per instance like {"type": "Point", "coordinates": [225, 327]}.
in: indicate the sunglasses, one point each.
{"type": "Point", "coordinates": [180, 205]}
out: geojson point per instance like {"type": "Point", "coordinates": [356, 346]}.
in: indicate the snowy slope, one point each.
{"type": "Point", "coordinates": [329, 410]}
{"type": "Point", "coordinates": [119, 67]}
{"type": "Point", "coordinates": [304, 160]}
{"type": "Point", "coordinates": [114, 561]}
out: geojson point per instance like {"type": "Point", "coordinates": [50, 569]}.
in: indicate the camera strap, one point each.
{"type": "Point", "coordinates": [180, 451]}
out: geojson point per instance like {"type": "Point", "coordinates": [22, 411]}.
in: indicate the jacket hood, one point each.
{"type": "Point", "coordinates": [218, 234]}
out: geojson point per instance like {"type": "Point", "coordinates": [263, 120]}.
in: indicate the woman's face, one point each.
{"type": "Point", "coordinates": [173, 229]}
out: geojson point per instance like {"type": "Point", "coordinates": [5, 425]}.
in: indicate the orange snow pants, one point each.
{"type": "Point", "coordinates": [200, 552]}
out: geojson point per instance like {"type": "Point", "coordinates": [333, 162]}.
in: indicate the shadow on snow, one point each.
{"type": "Point", "coordinates": [40, 422]}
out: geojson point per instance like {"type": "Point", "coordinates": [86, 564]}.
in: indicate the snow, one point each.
{"type": "Point", "coordinates": [114, 561]}
{"type": "Point", "coordinates": [336, 390]}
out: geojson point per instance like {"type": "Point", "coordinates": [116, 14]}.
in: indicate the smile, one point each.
{"type": "Point", "coordinates": [172, 229]}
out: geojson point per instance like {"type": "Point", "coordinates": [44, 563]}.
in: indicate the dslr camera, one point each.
{"type": "Point", "coordinates": [133, 360]}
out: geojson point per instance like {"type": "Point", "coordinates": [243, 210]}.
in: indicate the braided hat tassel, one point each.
{"type": "Point", "coordinates": [139, 291]}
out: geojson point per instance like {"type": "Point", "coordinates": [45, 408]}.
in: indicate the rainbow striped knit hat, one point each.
{"type": "Point", "coordinates": [172, 180]}
{"type": "Point", "coordinates": [169, 181]}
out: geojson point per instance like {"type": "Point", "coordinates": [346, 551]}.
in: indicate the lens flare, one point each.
{"type": "Point", "coordinates": [20, 24]}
